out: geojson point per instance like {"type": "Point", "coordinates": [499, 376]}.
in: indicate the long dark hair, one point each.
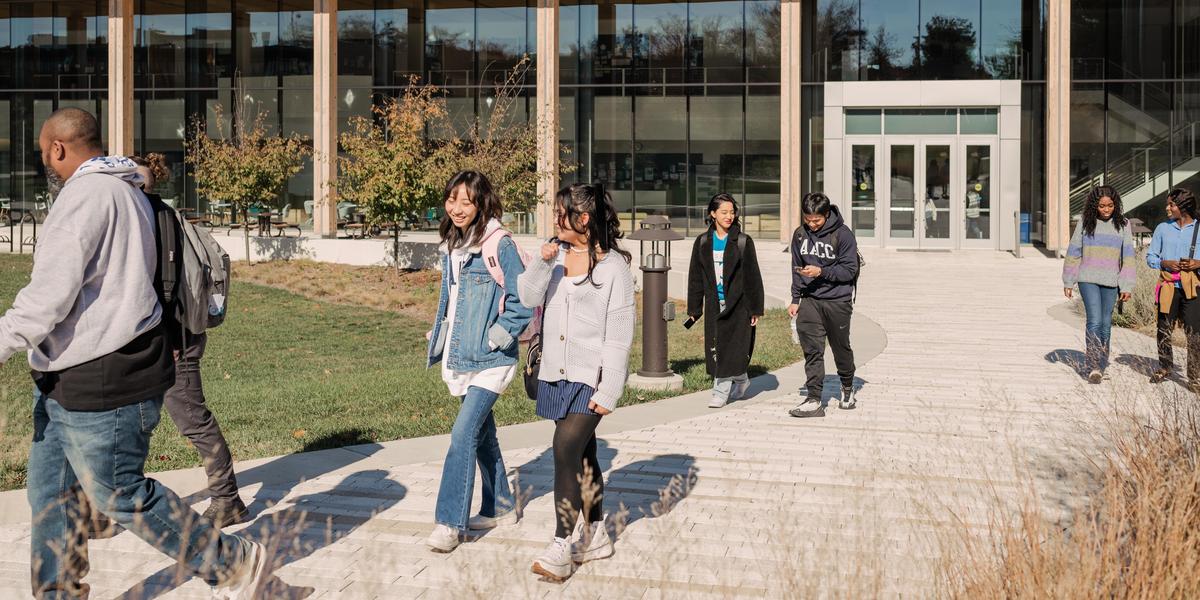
{"type": "Point", "coordinates": [603, 228]}
{"type": "Point", "coordinates": [716, 203]}
{"type": "Point", "coordinates": [1185, 200]}
{"type": "Point", "coordinates": [487, 203]}
{"type": "Point", "coordinates": [1091, 209]}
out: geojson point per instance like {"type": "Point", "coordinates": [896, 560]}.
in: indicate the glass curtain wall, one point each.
{"type": "Point", "coordinates": [1135, 95]}
{"type": "Point", "coordinates": [668, 103]}
{"type": "Point", "coordinates": [906, 40]}
{"type": "Point", "coordinates": [192, 56]}
{"type": "Point", "coordinates": [52, 55]}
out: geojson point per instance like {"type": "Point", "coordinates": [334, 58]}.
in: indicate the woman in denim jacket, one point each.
{"type": "Point", "coordinates": [474, 336]}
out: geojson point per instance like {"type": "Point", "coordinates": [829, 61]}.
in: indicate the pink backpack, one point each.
{"type": "Point", "coordinates": [491, 258]}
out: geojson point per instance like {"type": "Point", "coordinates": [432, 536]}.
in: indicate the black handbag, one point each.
{"type": "Point", "coordinates": [533, 365]}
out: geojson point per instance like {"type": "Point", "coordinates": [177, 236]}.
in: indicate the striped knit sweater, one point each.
{"type": "Point", "coordinates": [1104, 258]}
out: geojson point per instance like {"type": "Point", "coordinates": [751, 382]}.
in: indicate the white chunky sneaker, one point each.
{"type": "Point", "coordinates": [443, 539]}
{"type": "Point", "coordinates": [554, 563]}
{"type": "Point", "coordinates": [479, 522]}
{"type": "Point", "coordinates": [593, 543]}
{"type": "Point", "coordinates": [717, 401]}
{"type": "Point", "coordinates": [247, 582]}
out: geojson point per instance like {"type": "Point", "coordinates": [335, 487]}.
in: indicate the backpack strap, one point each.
{"type": "Point", "coordinates": [491, 258]}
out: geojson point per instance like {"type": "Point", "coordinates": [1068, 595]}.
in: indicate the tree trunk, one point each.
{"type": "Point", "coordinates": [246, 233]}
{"type": "Point", "coordinates": [396, 246]}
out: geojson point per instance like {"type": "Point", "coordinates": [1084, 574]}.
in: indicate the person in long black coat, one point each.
{"type": "Point", "coordinates": [725, 287]}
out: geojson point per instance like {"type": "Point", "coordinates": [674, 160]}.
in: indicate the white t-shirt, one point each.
{"type": "Point", "coordinates": [495, 379]}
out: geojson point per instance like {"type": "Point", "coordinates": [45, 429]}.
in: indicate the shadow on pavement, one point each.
{"type": "Point", "coordinates": [293, 533]}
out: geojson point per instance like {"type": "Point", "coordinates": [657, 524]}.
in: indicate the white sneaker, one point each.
{"type": "Point", "coordinates": [717, 401]}
{"type": "Point", "coordinates": [443, 539]}
{"type": "Point", "coordinates": [555, 562]}
{"type": "Point", "coordinates": [594, 543]}
{"type": "Point", "coordinates": [478, 522]}
{"type": "Point", "coordinates": [247, 583]}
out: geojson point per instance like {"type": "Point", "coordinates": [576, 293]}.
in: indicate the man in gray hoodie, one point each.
{"type": "Point", "coordinates": [90, 320]}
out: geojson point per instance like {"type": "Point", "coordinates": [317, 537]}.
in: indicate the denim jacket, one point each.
{"type": "Point", "coordinates": [476, 315]}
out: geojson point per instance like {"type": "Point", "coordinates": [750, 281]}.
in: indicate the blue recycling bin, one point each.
{"type": "Point", "coordinates": [1025, 233]}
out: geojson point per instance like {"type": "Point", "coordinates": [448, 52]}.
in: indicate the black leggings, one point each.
{"type": "Point", "coordinates": [574, 447]}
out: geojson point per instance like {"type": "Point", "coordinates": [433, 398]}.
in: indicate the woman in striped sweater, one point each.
{"type": "Point", "coordinates": [1100, 260]}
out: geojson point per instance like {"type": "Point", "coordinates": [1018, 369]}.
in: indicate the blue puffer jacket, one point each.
{"type": "Point", "coordinates": [476, 314]}
{"type": "Point", "coordinates": [838, 260]}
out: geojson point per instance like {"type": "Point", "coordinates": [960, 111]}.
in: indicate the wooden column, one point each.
{"type": "Point", "coordinates": [547, 115]}
{"type": "Point", "coordinates": [1058, 125]}
{"type": "Point", "coordinates": [325, 110]}
{"type": "Point", "coordinates": [790, 118]}
{"type": "Point", "coordinates": [120, 77]}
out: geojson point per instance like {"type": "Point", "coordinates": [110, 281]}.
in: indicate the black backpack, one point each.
{"type": "Point", "coordinates": [168, 237]}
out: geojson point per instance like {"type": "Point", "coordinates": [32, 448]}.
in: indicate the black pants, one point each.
{"type": "Point", "coordinates": [1166, 323]}
{"type": "Point", "coordinates": [816, 321]}
{"type": "Point", "coordinates": [575, 447]}
{"type": "Point", "coordinates": [185, 403]}
{"type": "Point", "coordinates": [1189, 313]}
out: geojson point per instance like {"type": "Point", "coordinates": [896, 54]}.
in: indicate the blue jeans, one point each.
{"type": "Point", "coordinates": [472, 440]}
{"type": "Point", "coordinates": [1098, 302]}
{"type": "Point", "coordinates": [102, 455]}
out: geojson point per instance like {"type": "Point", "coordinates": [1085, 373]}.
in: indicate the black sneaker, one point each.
{"type": "Point", "coordinates": [802, 413]}
{"type": "Point", "coordinates": [224, 513]}
{"type": "Point", "coordinates": [848, 401]}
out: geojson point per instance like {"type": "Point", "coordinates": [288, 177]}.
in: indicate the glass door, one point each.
{"type": "Point", "coordinates": [979, 190]}
{"type": "Point", "coordinates": [901, 195]}
{"type": "Point", "coordinates": [937, 191]}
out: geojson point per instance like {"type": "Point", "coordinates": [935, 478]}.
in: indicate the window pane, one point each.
{"type": "Point", "coordinates": [980, 121]}
{"type": "Point", "coordinates": [501, 39]}
{"type": "Point", "coordinates": [450, 42]}
{"type": "Point", "coordinates": [937, 192]}
{"type": "Point", "coordinates": [762, 157]}
{"type": "Point", "coordinates": [862, 190]}
{"type": "Point", "coordinates": [1000, 39]}
{"type": "Point", "coordinates": [661, 38]}
{"type": "Point", "coordinates": [295, 37]}
{"type": "Point", "coordinates": [949, 39]}
{"type": "Point", "coordinates": [831, 32]}
{"type": "Point", "coordinates": [715, 156]}
{"type": "Point", "coordinates": [863, 122]}
{"type": "Point", "coordinates": [762, 41]}
{"type": "Point", "coordinates": [660, 160]}
{"type": "Point", "coordinates": [569, 49]}
{"type": "Point", "coordinates": [715, 37]}
{"type": "Point", "coordinates": [889, 28]}
{"type": "Point", "coordinates": [356, 37]}
{"type": "Point", "coordinates": [902, 207]}
{"type": "Point", "coordinates": [920, 121]}
{"type": "Point", "coordinates": [257, 24]}
{"type": "Point", "coordinates": [209, 42]}
{"type": "Point", "coordinates": [159, 44]}
{"type": "Point", "coordinates": [979, 192]}
{"type": "Point", "coordinates": [611, 119]}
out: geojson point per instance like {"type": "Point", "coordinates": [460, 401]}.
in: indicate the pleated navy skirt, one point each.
{"type": "Point", "coordinates": [555, 400]}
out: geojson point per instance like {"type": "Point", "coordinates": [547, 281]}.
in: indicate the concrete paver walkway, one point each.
{"type": "Point", "coordinates": [970, 395]}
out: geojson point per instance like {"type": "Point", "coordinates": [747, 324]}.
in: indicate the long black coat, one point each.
{"type": "Point", "coordinates": [728, 337]}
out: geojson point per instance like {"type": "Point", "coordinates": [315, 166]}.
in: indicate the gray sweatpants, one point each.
{"type": "Point", "coordinates": [185, 403]}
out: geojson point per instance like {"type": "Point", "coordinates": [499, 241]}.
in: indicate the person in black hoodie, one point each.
{"type": "Point", "coordinates": [824, 273]}
{"type": "Point", "coordinates": [729, 299]}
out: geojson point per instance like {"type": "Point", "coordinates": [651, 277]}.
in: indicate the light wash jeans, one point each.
{"type": "Point", "coordinates": [102, 455]}
{"type": "Point", "coordinates": [1098, 303]}
{"type": "Point", "coordinates": [472, 440]}
{"type": "Point", "coordinates": [723, 387]}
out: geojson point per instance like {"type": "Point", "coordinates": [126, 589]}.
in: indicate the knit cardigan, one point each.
{"type": "Point", "coordinates": [586, 339]}
{"type": "Point", "coordinates": [1104, 258]}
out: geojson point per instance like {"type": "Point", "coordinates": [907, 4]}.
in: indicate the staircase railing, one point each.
{"type": "Point", "coordinates": [1137, 168]}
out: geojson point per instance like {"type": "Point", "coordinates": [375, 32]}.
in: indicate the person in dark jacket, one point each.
{"type": "Point", "coordinates": [824, 274]}
{"type": "Point", "coordinates": [725, 286]}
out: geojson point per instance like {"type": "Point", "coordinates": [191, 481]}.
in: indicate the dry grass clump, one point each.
{"type": "Point", "coordinates": [1138, 537]}
{"type": "Point", "coordinates": [411, 293]}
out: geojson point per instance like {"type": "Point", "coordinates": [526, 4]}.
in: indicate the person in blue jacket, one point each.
{"type": "Point", "coordinates": [1168, 253]}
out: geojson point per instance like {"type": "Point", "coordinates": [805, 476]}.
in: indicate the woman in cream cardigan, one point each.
{"type": "Point", "coordinates": [585, 284]}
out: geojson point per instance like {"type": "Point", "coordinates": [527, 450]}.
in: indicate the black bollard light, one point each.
{"type": "Point", "coordinates": [654, 237]}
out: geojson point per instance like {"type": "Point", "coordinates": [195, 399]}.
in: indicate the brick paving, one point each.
{"type": "Point", "coordinates": [970, 401]}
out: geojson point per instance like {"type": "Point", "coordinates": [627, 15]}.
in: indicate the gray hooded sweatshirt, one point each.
{"type": "Point", "coordinates": [92, 287]}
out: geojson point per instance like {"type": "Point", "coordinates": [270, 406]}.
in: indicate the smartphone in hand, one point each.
{"type": "Point", "coordinates": [689, 322]}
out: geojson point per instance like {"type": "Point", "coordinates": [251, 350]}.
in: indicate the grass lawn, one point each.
{"type": "Point", "coordinates": [318, 356]}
